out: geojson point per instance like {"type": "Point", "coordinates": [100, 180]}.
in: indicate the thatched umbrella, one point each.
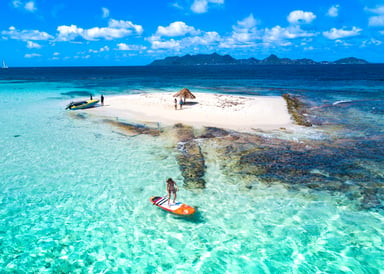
{"type": "Point", "coordinates": [185, 93]}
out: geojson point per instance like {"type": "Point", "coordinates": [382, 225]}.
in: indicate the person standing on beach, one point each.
{"type": "Point", "coordinates": [175, 104]}
{"type": "Point", "coordinates": [102, 100]}
{"type": "Point", "coordinates": [172, 188]}
{"type": "Point", "coordinates": [181, 103]}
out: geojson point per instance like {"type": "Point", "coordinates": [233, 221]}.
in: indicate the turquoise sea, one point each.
{"type": "Point", "coordinates": [74, 190]}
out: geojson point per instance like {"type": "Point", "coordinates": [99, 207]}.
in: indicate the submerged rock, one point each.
{"type": "Point", "coordinates": [319, 166]}
{"type": "Point", "coordinates": [213, 132]}
{"type": "Point", "coordinates": [190, 158]}
{"type": "Point", "coordinates": [134, 128]}
{"type": "Point", "coordinates": [191, 163]}
{"type": "Point", "coordinates": [183, 133]}
{"type": "Point", "coordinates": [79, 115]}
{"type": "Point", "coordinates": [297, 110]}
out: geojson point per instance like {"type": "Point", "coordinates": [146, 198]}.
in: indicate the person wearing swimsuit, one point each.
{"type": "Point", "coordinates": [172, 188]}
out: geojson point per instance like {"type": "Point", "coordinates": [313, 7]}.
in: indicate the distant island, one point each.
{"type": "Point", "coordinates": [217, 59]}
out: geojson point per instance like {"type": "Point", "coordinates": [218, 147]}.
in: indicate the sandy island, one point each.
{"type": "Point", "coordinates": [239, 113]}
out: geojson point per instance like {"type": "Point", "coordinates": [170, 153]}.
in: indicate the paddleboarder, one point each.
{"type": "Point", "coordinates": [172, 188]}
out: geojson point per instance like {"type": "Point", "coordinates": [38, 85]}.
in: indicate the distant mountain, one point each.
{"type": "Point", "coordinates": [199, 59]}
{"type": "Point", "coordinates": [217, 59]}
{"type": "Point", "coordinates": [350, 60]}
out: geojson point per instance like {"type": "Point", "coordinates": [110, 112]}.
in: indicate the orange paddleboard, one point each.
{"type": "Point", "coordinates": [175, 208]}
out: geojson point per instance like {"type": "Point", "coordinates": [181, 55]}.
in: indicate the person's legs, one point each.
{"type": "Point", "coordinates": [169, 196]}
{"type": "Point", "coordinates": [174, 197]}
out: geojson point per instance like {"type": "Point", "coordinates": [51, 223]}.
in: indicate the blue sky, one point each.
{"type": "Point", "coordinates": [136, 32]}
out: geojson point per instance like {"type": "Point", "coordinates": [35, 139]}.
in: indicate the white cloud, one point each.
{"type": "Point", "coordinates": [279, 35]}
{"type": "Point", "coordinates": [28, 6]}
{"type": "Point", "coordinates": [176, 29]}
{"type": "Point", "coordinates": [333, 11]}
{"type": "Point", "coordinates": [247, 23]}
{"type": "Point", "coordinates": [116, 29]}
{"type": "Point", "coordinates": [171, 44]}
{"type": "Point", "coordinates": [32, 55]}
{"type": "Point", "coordinates": [189, 37]}
{"type": "Point", "coordinates": [242, 37]}
{"type": "Point", "coordinates": [301, 17]}
{"type": "Point", "coordinates": [26, 35]}
{"type": "Point", "coordinates": [123, 46]}
{"type": "Point", "coordinates": [244, 33]}
{"type": "Point", "coordinates": [378, 10]}
{"type": "Point", "coordinates": [96, 33]}
{"type": "Point", "coordinates": [126, 47]}
{"type": "Point", "coordinates": [68, 33]}
{"type": "Point", "coordinates": [334, 33]}
{"type": "Point", "coordinates": [274, 34]}
{"type": "Point", "coordinates": [105, 12]}
{"type": "Point", "coordinates": [201, 6]}
{"type": "Point", "coordinates": [376, 21]}
{"type": "Point", "coordinates": [342, 43]}
{"type": "Point", "coordinates": [33, 45]}
{"type": "Point", "coordinates": [103, 49]}
{"type": "Point", "coordinates": [177, 6]}
{"type": "Point", "coordinates": [370, 42]}
{"type": "Point", "coordinates": [121, 24]}
{"type": "Point", "coordinates": [208, 38]}
{"type": "Point", "coordinates": [17, 4]}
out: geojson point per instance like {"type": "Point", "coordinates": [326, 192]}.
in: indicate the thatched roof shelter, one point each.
{"type": "Point", "coordinates": [185, 93]}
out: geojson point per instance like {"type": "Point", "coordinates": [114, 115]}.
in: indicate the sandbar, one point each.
{"type": "Point", "coordinates": [239, 113]}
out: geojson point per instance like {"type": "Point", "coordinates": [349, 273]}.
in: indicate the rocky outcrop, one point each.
{"type": "Point", "coordinates": [134, 129]}
{"type": "Point", "coordinates": [314, 165]}
{"type": "Point", "coordinates": [190, 158]}
{"type": "Point", "coordinates": [213, 132]}
{"type": "Point", "coordinates": [297, 110]}
{"type": "Point", "coordinates": [191, 163]}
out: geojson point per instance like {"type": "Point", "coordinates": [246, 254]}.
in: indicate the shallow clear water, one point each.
{"type": "Point", "coordinates": [74, 196]}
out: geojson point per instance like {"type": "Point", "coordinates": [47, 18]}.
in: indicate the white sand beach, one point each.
{"type": "Point", "coordinates": [240, 113]}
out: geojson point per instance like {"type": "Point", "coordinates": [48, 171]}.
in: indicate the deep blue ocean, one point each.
{"type": "Point", "coordinates": [74, 193]}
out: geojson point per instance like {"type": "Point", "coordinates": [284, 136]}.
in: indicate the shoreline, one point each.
{"type": "Point", "coordinates": [239, 113]}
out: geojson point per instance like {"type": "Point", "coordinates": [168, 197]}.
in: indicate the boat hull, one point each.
{"type": "Point", "coordinates": [82, 104]}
